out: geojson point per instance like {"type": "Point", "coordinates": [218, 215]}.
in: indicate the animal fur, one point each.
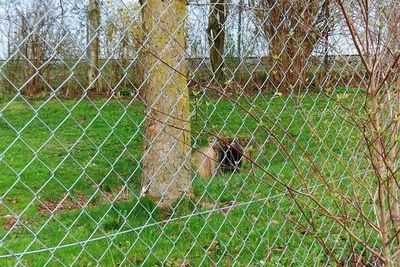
{"type": "Point", "coordinates": [205, 161]}
{"type": "Point", "coordinates": [231, 157]}
{"type": "Point", "coordinates": [218, 157]}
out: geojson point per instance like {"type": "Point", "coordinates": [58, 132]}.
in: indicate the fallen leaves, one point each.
{"type": "Point", "coordinates": [66, 204]}
{"type": "Point", "coordinates": [10, 222]}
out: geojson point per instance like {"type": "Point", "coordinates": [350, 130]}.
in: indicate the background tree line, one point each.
{"type": "Point", "coordinates": [96, 45]}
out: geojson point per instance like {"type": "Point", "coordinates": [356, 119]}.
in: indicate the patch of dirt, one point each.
{"type": "Point", "coordinates": [68, 204]}
{"type": "Point", "coordinates": [11, 221]}
{"type": "Point", "coordinates": [113, 196]}
{"type": "Point", "coordinates": [63, 205]}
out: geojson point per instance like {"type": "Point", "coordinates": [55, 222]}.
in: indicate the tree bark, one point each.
{"type": "Point", "coordinates": [290, 43]}
{"type": "Point", "coordinates": [94, 43]}
{"type": "Point", "coordinates": [166, 164]}
{"type": "Point", "coordinates": [216, 38]}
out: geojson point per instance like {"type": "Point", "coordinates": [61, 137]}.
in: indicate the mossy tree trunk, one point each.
{"type": "Point", "coordinates": [166, 162]}
{"type": "Point", "coordinates": [94, 43]}
{"type": "Point", "coordinates": [216, 38]}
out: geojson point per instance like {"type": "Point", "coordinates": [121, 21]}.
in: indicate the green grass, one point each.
{"type": "Point", "coordinates": [86, 152]}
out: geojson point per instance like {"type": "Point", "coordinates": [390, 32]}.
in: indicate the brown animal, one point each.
{"type": "Point", "coordinates": [205, 161]}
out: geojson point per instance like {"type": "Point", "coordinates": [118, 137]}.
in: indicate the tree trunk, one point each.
{"type": "Point", "coordinates": [166, 162]}
{"type": "Point", "coordinates": [216, 38]}
{"type": "Point", "coordinates": [326, 33]}
{"type": "Point", "coordinates": [290, 43]}
{"type": "Point", "coordinates": [94, 43]}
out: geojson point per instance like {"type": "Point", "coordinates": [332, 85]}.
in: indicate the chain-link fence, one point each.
{"type": "Point", "coordinates": [199, 133]}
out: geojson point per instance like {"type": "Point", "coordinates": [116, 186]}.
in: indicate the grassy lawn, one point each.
{"type": "Point", "coordinates": [70, 178]}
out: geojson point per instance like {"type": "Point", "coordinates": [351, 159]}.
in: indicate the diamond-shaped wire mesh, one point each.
{"type": "Point", "coordinates": [197, 133]}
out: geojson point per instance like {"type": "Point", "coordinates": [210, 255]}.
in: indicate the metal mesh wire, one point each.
{"type": "Point", "coordinates": [72, 149]}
